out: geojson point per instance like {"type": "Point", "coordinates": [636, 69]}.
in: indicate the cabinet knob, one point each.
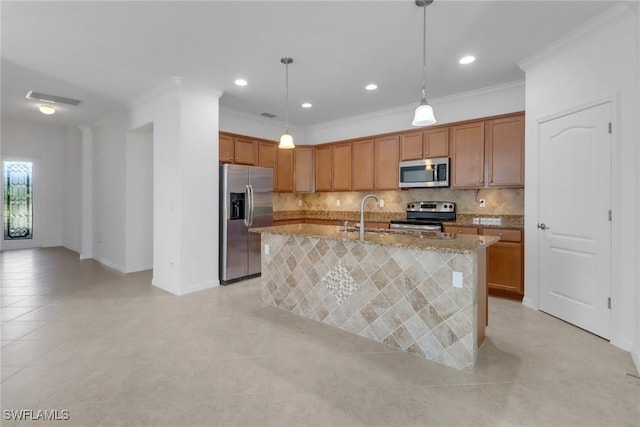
{"type": "Point", "coordinates": [500, 234]}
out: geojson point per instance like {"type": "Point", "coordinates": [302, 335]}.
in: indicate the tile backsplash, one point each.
{"type": "Point", "coordinates": [500, 201]}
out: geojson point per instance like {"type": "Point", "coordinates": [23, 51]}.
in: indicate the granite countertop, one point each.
{"type": "Point", "coordinates": [465, 220]}
{"type": "Point", "coordinates": [488, 221]}
{"type": "Point", "coordinates": [427, 241]}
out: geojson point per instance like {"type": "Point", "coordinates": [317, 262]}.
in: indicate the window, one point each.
{"type": "Point", "coordinates": [18, 198]}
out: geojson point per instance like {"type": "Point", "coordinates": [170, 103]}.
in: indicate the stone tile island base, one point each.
{"type": "Point", "coordinates": [400, 296]}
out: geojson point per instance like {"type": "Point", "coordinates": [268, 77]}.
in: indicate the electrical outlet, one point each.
{"type": "Point", "coordinates": [456, 279]}
{"type": "Point", "coordinates": [381, 204]}
{"type": "Point", "coordinates": [299, 202]}
{"type": "Point", "coordinates": [337, 202]}
{"type": "Point", "coordinates": [483, 203]}
{"type": "Point", "coordinates": [266, 249]}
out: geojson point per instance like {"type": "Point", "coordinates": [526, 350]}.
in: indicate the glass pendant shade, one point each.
{"type": "Point", "coordinates": [286, 141]}
{"type": "Point", "coordinates": [423, 115]}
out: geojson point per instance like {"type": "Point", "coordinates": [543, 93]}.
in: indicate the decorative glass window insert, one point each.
{"type": "Point", "coordinates": [18, 200]}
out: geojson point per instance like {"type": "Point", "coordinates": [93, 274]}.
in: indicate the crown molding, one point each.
{"type": "Point", "coordinates": [607, 18]}
{"type": "Point", "coordinates": [171, 84]}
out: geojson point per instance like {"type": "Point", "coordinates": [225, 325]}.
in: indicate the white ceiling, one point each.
{"type": "Point", "coordinates": [109, 53]}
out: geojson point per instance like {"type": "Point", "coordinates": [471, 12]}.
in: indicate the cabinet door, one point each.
{"type": "Point", "coordinates": [341, 167]}
{"type": "Point", "coordinates": [284, 171]}
{"type": "Point", "coordinates": [505, 269]}
{"type": "Point", "coordinates": [246, 151]}
{"type": "Point", "coordinates": [225, 149]}
{"type": "Point", "coordinates": [303, 169]}
{"type": "Point", "coordinates": [387, 156]}
{"type": "Point", "coordinates": [362, 165]}
{"type": "Point", "coordinates": [411, 146]}
{"type": "Point", "coordinates": [436, 143]}
{"type": "Point", "coordinates": [467, 155]}
{"type": "Point", "coordinates": [267, 154]}
{"type": "Point", "coordinates": [505, 152]}
{"type": "Point", "coordinates": [323, 168]}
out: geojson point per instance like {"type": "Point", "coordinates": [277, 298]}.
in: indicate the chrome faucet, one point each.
{"type": "Point", "coordinates": [364, 199]}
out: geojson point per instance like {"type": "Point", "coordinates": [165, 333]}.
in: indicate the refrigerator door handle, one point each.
{"type": "Point", "coordinates": [247, 205]}
{"type": "Point", "coordinates": [251, 206]}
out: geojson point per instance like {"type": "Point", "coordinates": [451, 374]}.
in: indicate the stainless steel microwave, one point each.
{"type": "Point", "coordinates": [424, 173]}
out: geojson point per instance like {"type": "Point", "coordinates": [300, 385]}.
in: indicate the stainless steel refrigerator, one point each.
{"type": "Point", "coordinates": [246, 201]}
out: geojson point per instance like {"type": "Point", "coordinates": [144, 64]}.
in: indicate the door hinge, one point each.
{"type": "Point", "coordinates": [610, 127]}
{"type": "Point", "coordinates": [609, 214]}
{"type": "Point", "coordinates": [609, 303]}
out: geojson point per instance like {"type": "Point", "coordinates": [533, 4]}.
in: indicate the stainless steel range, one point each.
{"type": "Point", "coordinates": [426, 216]}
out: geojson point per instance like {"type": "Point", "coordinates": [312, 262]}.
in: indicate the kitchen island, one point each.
{"type": "Point", "coordinates": [424, 293]}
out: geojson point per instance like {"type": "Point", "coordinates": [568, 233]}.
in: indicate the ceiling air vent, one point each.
{"type": "Point", "coordinates": [269, 115]}
{"type": "Point", "coordinates": [51, 98]}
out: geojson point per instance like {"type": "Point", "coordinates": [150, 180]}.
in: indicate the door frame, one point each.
{"type": "Point", "coordinates": [532, 204]}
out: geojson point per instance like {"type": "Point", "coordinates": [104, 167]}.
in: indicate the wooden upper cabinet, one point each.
{"type": "Point", "coordinates": [387, 156]}
{"type": "Point", "coordinates": [505, 152]}
{"type": "Point", "coordinates": [267, 158]}
{"type": "Point", "coordinates": [411, 146]}
{"type": "Point", "coordinates": [425, 144]}
{"type": "Point", "coordinates": [267, 154]}
{"type": "Point", "coordinates": [246, 151]}
{"type": "Point", "coordinates": [435, 143]}
{"type": "Point", "coordinates": [362, 165]}
{"type": "Point", "coordinates": [467, 155]}
{"type": "Point", "coordinates": [284, 171]}
{"type": "Point", "coordinates": [341, 167]}
{"type": "Point", "coordinates": [226, 152]}
{"type": "Point", "coordinates": [303, 169]}
{"type": "Point", "coordinates": [323, 168]}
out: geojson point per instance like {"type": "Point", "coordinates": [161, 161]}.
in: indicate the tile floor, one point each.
{"type": "Point", "coordinates": [115, 351]}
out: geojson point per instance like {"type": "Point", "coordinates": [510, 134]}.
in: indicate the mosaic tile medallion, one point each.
{"type": "Point", "coordinates": [339, 283]}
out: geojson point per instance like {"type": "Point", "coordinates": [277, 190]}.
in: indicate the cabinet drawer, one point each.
{"type": "Point", "coordinates": [460, 230]}
{"type": "Point", "coordinates": [505, 235]}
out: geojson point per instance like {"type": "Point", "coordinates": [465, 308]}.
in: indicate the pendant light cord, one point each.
{"type": "Point", "coordinates": [424, 52]}
{"type": "Point", "coordinates": [286, 97]}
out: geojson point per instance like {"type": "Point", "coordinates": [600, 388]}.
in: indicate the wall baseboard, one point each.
{"type": "Point", "coordinates": [110, 265]}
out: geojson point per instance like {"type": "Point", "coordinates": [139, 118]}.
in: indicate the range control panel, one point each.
{"type": "Point", "coordinates": [431, 207]}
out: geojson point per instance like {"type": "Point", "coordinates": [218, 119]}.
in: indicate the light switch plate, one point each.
{"type": "Point", "coordinates": [382, 203]}
{"type": "Point", "coordinates": [337, 202]}
{"type": "Point", "coordinates": [456, 279]}
{"type": "Point", "coordinates": [266, 249]}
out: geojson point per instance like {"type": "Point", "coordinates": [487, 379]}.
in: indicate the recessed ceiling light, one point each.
{"type": "Point", "coordinates": [467, 59]}
{"type": "Point", "coordinates": [47, 109]}
{"type": "Point", "coordinates": [307, 105]}
{"type": "Point", "coordinates": [371, 86]}
{"type": "Point", "coordinates": [241, 82]}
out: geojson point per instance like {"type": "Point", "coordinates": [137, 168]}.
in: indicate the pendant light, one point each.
{"type": "Point", "coordinates": [286, 140]}
{"type": "Point", "coordinates": [424, 112]}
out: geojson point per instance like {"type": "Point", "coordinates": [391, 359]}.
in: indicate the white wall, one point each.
{"type": "Point", "coordinates": [57, 193]}
{"type": "Point", "coordinates": [597, 62]}
{"type": "Point", "coordinates": [185, 203]}
{"type": "Point", "coordinates": [139, 212]}
{"type": "Point", "coordinates": [72, 193]}
{"type": "Point", "coordinates": [109, 195]}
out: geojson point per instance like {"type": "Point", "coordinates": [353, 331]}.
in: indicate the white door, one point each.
{"type": "Point", "coordinates": [574, 224]}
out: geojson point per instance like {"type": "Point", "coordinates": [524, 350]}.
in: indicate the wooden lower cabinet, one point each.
{"type": "Point", "coordinates": [505, 263]}
{"type": "Point", "coordinates": [505, 259]}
